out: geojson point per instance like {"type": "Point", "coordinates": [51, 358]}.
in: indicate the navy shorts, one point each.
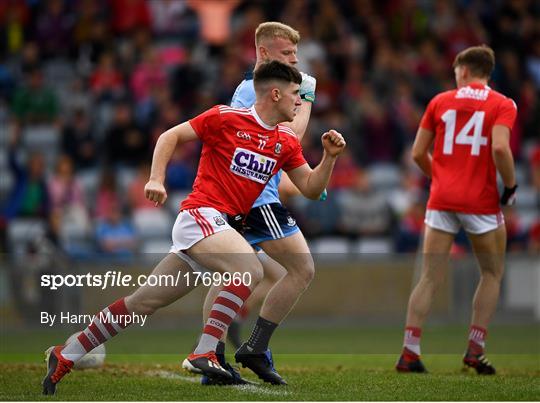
{"type": "Point", "coordinates": [268, 222]}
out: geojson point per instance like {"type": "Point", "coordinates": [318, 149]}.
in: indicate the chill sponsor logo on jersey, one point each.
{"type": "Point", "coordinates": [473, 93]}
{"type": "Point", "coordinates": [252, 165]}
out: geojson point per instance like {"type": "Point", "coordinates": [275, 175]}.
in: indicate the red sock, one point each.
{"type": "Point", "coordinates": [224, 310]}
{"type": "Point", "coordinates": [477, 339]}
{"type": "Point", "coordinates": [411, 340]}
{"type": "Point", "coordinates": [106, 324]}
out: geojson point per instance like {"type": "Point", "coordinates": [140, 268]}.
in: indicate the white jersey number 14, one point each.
{"type": "Point", "coordinates": [475, 123]}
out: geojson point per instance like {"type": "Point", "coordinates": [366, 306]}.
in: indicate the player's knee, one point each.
{"type": "Point", "coordinates": [307, 274]}
{"type": "Point", "coordinates": [492, 274]}
{"type": "Point", "coordinates": [256, 273]}
{"type": "Point", "coordinates": [303, 273]}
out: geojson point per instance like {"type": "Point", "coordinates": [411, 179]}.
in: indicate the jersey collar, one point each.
{"type": "Point", "coordinates": [259, 120]}
{"type": "Point", "coordinates": [478, 85]}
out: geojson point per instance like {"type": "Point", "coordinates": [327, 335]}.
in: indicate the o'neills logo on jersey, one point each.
{"type": "Point", "coordinates": [252, 165]}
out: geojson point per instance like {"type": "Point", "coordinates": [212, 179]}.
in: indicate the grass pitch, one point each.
{"type": "Point", "coordinates": [319, 364]}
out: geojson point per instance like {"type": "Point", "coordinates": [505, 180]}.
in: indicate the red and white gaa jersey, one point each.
{"type": "Point", "coordinates": [240, 154]}
{"type": "Point", "coordinates": [464, 177]}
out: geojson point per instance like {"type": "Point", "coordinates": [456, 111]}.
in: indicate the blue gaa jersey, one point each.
{"type": "Point", "coordinates": [244, 97]}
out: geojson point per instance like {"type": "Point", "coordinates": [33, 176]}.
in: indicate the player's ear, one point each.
{"type": "Point", "coordinates": [263, 52]}
{"type": "Point", "coordinates": [465, 72]}
{"type": "Point", "coordinates": [276, 94]}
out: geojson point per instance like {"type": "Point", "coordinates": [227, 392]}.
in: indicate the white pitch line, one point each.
{"type": "Point", "coordinates": [244, 388]}
{"type": "Point", "coordinates": [173, 375]}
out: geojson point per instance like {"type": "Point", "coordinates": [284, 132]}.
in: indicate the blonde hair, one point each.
{"type": "Point", "coordinates": [271, 30]}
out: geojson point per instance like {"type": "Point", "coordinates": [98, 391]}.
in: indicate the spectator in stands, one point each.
{"type": "Point", "coordinates": [35, 103]}
{"type": "Point", "coordinates": [30, 59]}
{"type": "Point", "coordinates": [106, 82]}
{"type": "Point", "coordinates": [54, 30]}
{"type": "Point", "coordinates": [67, 197]}
{"type": "Point", "coordinates": [128, 15]}
{"type": "Point", "coordinates": [91, 50]}
{"type": "Point", "coordinates": [364, 211]}
{"type": "Point", "coordinates": [180, 171]}
{"type": "Point", "coordinates": [345, 172]}
{"type": "Point", "coordinates": [516, 233]}
{"type": "Point", "coordinates": [136, 199]}
{"type": "Point", "coordinates": [107, 193]}
{"type": "Point", "coordinates": [533, 61]}
{"type": "Point", "coordinates": [381, 136]}
{"type": "Point", "coordinates": [88, 13]}
{"type": "Point", "coordinates": [125, 143]}
{"type": "Point", "coordinates": [411, 227]}
{"type": "Point", "coordinates": [115, 234]}
{"type": "Point", "coordinates": [534, 238]}
{"type": "Point", "coordinates": [148, 74]}
{"type": "Point", "coordinates": [534, 232]}
{"type": "Point", "coordinates": [172, 19]}
{"type": "Point", "coordinates": [78, 141]}
{"type": "Point", "coordinates": [14, 21]}
{"type": "Point", "coordinates": [29, 196]}
{"type": "Point", "coordinates": [186, 82]}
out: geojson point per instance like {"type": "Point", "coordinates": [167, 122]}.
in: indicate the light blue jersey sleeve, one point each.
{"type": "Point", "coordinates": [244, 97]}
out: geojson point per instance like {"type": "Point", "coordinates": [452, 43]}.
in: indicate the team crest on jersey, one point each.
{"type": "Point", "coordinates": [291, 222]}
{"type": "Point", "coordinates": [252, 165]}
{"type": "Point", "coordinates": [277, 149]}
{"type": "Point", "coordinates": [219, 220]}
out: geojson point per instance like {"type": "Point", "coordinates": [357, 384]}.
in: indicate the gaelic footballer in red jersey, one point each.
{"type": "Point", "coordinates": [235, 164]}
{"type": "Point", "coordinates": [469, 130]}
{"type": "Point", "coordinates": [464, 176]}
{"type": "Point", "coordinates": [234, 160]}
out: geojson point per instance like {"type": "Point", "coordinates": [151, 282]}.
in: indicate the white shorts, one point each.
{"type": "Point", "coordinates": [193, 225]}
{"type": "Point", "coordinates": [449, 221]}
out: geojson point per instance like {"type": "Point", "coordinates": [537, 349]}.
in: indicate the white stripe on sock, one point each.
{"type": "Point", "coordinates": [107, 314]}
{"type": "Point", "coordinates": [102, 329]}
{"type": "Point", "coordinates": [230, 296]}
{"type": "Point", "coordinates": [224, 309]}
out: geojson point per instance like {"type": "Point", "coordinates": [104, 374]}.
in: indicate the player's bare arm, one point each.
{"type": "Point", "coordinates": [420, 150]}
{"type": "Point", "coordinates": [312, 182]}
{"type": "Point", "coordinates": [165, 146]}
{"type": "Point", "coordinates": [502, 155]}
{"type": "Point", "coordinates": [300, 122]}
{"type": "Point", "coordinates": [286, 187]}
{"type": "Point", "coordinates": [307, 93]}
{"type": "Point", "coordinates": [299, 126]}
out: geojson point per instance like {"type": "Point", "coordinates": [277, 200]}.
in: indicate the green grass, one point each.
{"type": "Point", "coordinates": [319, 364]}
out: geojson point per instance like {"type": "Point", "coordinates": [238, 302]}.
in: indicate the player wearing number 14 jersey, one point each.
{"type": "Point", "coordinates": [469, 130]}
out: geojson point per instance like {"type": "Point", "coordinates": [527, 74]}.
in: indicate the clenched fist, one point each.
{"type": "Point", "coordinates": [155, 192]}
{"type": "Point", "coordinates": [333, 143]}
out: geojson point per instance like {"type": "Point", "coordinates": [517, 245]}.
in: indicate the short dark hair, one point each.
{"type": "Point", "coordinates": [479, 59]}
{"type": "Point", "coordinates": [275, 70]}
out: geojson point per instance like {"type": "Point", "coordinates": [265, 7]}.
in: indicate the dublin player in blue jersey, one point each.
{"type": "Point", "coordinates": [288, 265]}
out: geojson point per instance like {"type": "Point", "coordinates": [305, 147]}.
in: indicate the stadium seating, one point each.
{"type": "Point", "coordinates": [150, 223]}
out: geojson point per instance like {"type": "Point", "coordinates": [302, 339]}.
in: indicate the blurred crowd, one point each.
{"type": "Point", "coordinates": [87, 86]}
